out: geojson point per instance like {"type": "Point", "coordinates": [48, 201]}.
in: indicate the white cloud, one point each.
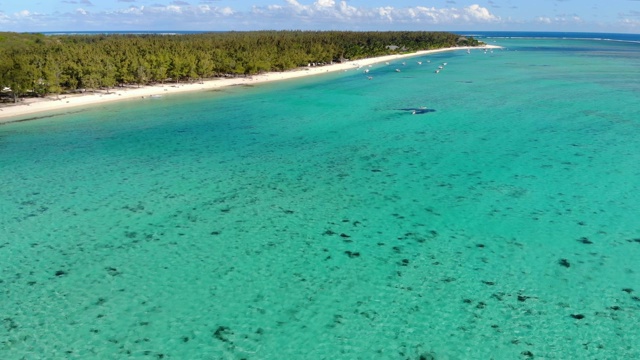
{"type": "Point", "coordinates": [348, 10]}
{"type": "Point", "coordinates": [152, 17]}
{"type": "Point", "coordinates": [23, 14]}
{"type": "Point", "coordinates": [322, 11]}
{"type": "Point", "coordinates": [629, 24]}
{"type": "Point", "coordinates": [543, 19]}
{"type": "Point", "coordinates": [25, 19]}
{"type": "Point", "coordinates": [562, 20]}
{"type": "Point", "coordinates": [180, 12]}
{"type": "Point", "coordinates": [479, 13]}
{"type": "Point", "coordinates": [173, 9]}
{"type": "Point", "coordinates": [325, 3]}
{"type": "Point", "coordinates": [133, 10]}
{"type": "Point", "coordinates": [385, 13]}
{"type": "Point", "coordinates": [286, 14]}
{"type": "Point", "coordinates": [341, 13]}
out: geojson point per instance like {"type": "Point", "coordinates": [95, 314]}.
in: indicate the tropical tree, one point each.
{"type": "Point", "coordinates": [34, 64]}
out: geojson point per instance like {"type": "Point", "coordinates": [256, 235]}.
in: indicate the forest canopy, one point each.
{"type": "Point", "coordinates": [39, 65]}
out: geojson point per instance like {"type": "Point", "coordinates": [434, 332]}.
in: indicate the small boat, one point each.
{"type": "Point", "coordinates": [419, 62]}
{"type": "Point", "coordinates": [397, 70]}
{"type": "Point", "coordinates": [369, 77]}
{"type": "Point", "coordinates": [437, 71]}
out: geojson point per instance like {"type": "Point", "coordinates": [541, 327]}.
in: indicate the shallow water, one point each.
{"type": "Point", "coordinates": [320, 219]}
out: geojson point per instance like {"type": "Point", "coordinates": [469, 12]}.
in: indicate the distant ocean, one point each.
{"type": "Point", "coordinates": [476, 34]}
{"type": "Point", "coordinates": [488, 211]}
{"type": "Point", "coordinates": [145, 32]}
{"type": "Point", "coordinates": [552, 35]}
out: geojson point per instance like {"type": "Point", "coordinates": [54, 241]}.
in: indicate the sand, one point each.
{"type": "Point", "coordinates": [28, 107]}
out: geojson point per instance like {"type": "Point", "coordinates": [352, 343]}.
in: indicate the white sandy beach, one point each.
{"type": "Point", "coordinates": [28, 107]}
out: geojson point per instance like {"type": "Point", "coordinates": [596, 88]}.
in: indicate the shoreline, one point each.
{"type": "Point", "coordinates": [16, 113]}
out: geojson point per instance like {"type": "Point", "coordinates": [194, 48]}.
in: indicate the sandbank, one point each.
{"type": "Point", "coordinates": [28, 107]}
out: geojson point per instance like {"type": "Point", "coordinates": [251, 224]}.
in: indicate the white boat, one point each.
{"type": "Point", "coordinates": [397, 70]}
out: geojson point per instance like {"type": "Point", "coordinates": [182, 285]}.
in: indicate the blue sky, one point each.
{"type": "Point", "coordinates": [219, 15]}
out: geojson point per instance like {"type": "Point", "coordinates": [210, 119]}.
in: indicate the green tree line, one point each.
{"type": "Point", "coordinates": [39, 65]}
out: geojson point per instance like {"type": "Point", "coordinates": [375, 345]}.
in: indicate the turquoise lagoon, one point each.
{"type": "Point", "coordinates": [321, 219]}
